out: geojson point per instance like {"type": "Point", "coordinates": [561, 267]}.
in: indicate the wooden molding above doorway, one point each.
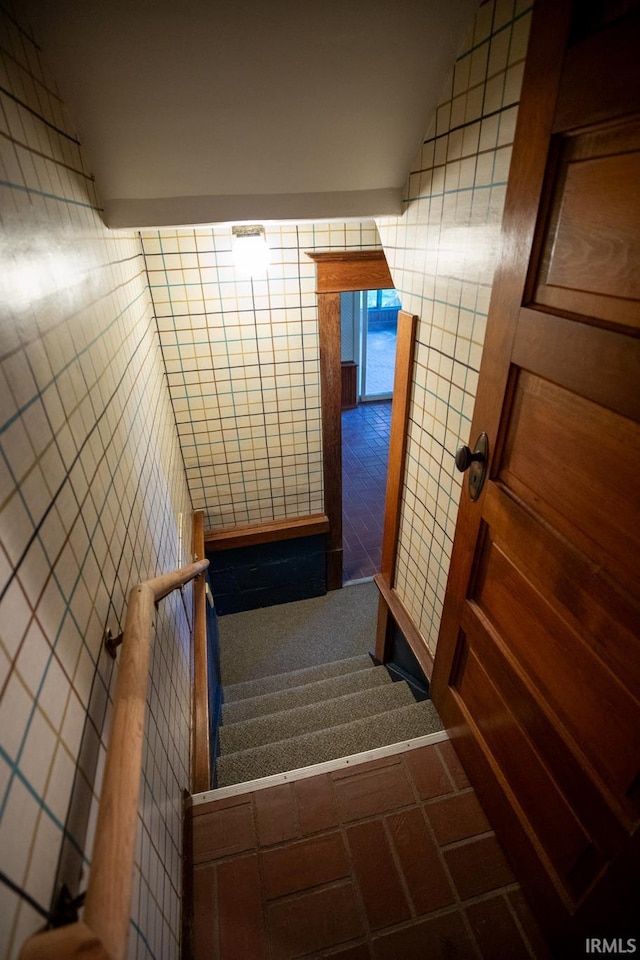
{"type": "Point", "coordinates": [342, 271]}
{"type": "Point", "coordinates": [338, 272]}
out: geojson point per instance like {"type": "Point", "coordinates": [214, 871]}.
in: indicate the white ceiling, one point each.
{"type": "Point", "coordinates": [201, 111]}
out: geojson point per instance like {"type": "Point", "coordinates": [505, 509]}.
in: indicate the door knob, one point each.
{"type": "Point", "coordinates": [477, 461]}
{"type": "Point", "coordinates": [464, 458]}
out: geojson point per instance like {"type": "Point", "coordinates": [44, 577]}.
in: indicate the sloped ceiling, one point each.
{"type": "Point", "coordinates": [201, 111]}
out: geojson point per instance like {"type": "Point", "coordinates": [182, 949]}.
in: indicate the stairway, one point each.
{"type": "Point", "coordinates": [296, 719]}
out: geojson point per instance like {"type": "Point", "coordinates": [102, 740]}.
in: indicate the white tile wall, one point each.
{"type": "Point", "coordinates": [91, 490]}
{"type": "Point", "coordinates": [442, 254]}
{"type": "Point", "coordinates": [242, 363]}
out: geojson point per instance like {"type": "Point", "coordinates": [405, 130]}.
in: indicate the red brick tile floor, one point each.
{"type": "Point", "coordinates": [392, 859]}
{"type": "Point", "coordinates": [365, 453]}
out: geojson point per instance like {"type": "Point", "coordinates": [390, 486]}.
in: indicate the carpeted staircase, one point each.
{"type": "Point", "coordinates": [296, 719]}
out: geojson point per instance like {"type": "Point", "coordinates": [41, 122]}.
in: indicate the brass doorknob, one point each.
{"type": "Point", "coordinates": [464, 458]}
{"type": "Point", "coordinates": [477, 460]}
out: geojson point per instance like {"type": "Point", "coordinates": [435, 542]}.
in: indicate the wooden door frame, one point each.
{"type": "Point", "coordinates": [338, 271]}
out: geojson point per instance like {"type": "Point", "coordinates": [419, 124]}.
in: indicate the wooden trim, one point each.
{"type": "Point", "coordinates": [331, 399]}
{"type": "Point", "coordinates": [337, 272]}
{"type": "Point", "coordinates": [200, 803]}
{"type": "Point", "coordinates": [396, 608]}
{"type": "Point", "coordinates": [340, 271]}
{"type": "Point", "coordinates": [405, 348]}
{"type": "Point", "coordinates": [249, 534]}
{"type": "Point", "coordinates": [383, 629]}
{"type": "Point", "coordinates": [200, 745]}
{"type": "Point", "coordinates": [345, 256]}
{"type": "Point", "coordinates": [105, 927]}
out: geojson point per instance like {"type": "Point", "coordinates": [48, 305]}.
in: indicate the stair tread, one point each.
{"type": "Point", "coordinates": [394, 726]}
{"type": "Point", "coordinates": [294, 678]}
{"type": "Point", "coordinates": [294, 722]}
{"type": "Point", "coordinates": [292, 697]}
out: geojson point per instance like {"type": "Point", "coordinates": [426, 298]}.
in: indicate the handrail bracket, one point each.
{"type": "Point", "coordinates": [112, 642]}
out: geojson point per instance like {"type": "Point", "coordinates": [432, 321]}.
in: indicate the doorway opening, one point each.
{"type": "Point", "coordinates": [368, 325]}
{"type": "Point", "coordinates": [339, 272]}
{"type": "Point", "coordinates": [379, 343]}
{"type": "Point", "coordinates": [368, 332]}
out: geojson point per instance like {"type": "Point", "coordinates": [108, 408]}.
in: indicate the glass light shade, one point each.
{"type": "Point", "coordinates": [251, 254]}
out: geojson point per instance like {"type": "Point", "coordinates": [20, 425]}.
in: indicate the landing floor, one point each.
{"type": "Point", "coordinates": [387, 860]}
{"type": "Point", "coordinates": [365, 454]}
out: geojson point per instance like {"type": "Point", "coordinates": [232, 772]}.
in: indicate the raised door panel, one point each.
{"type": "Point", "coordinates": [591, 238]}
{"type": "Point", "coordinates": [596, 713]}
{"type": "Point", "coordinates": [554, 826]}
{"type": "Point", "coordinates": [577, 464]}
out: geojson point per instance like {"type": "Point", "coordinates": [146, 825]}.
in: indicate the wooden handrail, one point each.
{"type": "Point", "coordinates": [102, 935]}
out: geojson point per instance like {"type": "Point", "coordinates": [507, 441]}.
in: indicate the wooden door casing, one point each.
{"type": "Point", "coordinates": [338, 271]}
{"type": "Point", "coordinates": [537, 670]}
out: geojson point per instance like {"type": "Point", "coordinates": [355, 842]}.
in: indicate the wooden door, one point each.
{"type": "Point", "coordinates": [537, 671]}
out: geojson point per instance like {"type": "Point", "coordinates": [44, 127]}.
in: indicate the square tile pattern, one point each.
{"type": "Point", "coordinates": [242, 361]}
{"type": "Point", "coordinates": [391, 859]}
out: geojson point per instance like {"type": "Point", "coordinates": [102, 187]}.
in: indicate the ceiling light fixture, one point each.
{"type": "Point", "coordinates": [250, 251]}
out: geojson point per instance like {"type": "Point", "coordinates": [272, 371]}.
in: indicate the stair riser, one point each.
{"type": "Point", "coordinates": [296, 678]}
{"type": "Point", "coordinates": [316, 716]}
{"type": "Point", "coordinates": [393, 726]}
{"type": "Point", "coordinates": [309, 693]}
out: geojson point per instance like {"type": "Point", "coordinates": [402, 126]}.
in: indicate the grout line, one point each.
{"type": "Point", "coordinates": [328, 766]}
{"type": "Point", "coordinates": [464, 841]}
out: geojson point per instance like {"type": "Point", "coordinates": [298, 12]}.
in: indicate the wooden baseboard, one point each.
{"type": "Point", "coordinates": [335, 562]}
{"type": "Point", "coordinates": [250, 534]}
{"type": "Point", "coordinates": [349, 384]}
{"type": "Point", "coordinates": [390, 605]}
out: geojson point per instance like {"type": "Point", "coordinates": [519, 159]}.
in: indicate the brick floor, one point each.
{"type": "Point", "coordinates": [365, 453]}
{"type": "Point", "coordinates": [388, 860]}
